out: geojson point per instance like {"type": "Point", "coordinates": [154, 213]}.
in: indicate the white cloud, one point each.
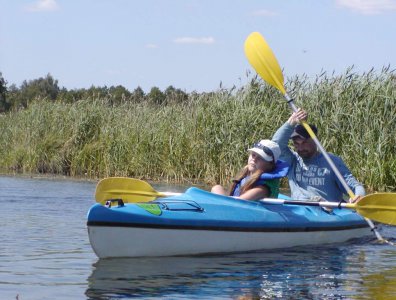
{"type": "Point", "coordinates": [264, 13]}
{"type": "Point", "coordinates": [43, 5]}
{"type": "Point", "coordinates": [368, 7]}
{"type": "Point", "coordinates": [192, 40]}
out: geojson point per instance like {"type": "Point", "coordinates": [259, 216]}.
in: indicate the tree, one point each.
{"type": "Point", "coordinates": [35, 89]}
{"type": "Point", "coordinates": [138, 95]}
{"type": "Point", "coordinates": [156, 96]}
{"type": "Point", "coordinates": [96, 92]}
{"type": "Point", "coordinates": [4, 104]}
{"type": "Point", "coordinates": [119, 94]}
{"type": "Point", "coordinates": [175, 95]}
{"type": "Point", "coordinates": [41, 88]}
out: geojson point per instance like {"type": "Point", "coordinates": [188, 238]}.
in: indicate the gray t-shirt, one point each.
{"type": "Point", "coordinates": [313, 177]}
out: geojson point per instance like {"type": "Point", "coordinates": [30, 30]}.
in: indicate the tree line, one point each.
{"type": "Point", "coordinates": [13, 97]}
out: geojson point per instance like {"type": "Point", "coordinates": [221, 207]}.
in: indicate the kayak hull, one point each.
{"type": "Point", "coordinates": [199, 222]}
{"type": "Point", "coordinates": [138, 242]}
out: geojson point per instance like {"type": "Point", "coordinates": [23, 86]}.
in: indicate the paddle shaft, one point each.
{"type": "Point", "coordinates": [308, 203]}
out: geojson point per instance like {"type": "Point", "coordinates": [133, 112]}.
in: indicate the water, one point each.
{"type": "Point", "coordinates": [45, 254]}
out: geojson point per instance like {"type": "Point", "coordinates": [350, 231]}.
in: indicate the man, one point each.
{"type": "Point", "coordinates": [310, 175]}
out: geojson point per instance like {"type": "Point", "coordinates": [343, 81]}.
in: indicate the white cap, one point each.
{"type": "Point", "coordinates": [265, 148]}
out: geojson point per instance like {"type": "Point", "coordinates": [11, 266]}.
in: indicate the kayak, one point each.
{"type": "Point", "coordinates": [199, 222]}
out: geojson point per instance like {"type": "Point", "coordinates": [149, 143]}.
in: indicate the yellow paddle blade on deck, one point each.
{"type": "Point", "coordinates": [263, 60]}
{"type": "Point", "coordinates": [380, 207]}
{"type": "Point", "coordinates": [127, 189]}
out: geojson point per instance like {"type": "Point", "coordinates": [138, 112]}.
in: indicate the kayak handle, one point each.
{"type": "Point", "coordinates": [190, 205]}
{"type": "Point", "coordinates": [109, 202]}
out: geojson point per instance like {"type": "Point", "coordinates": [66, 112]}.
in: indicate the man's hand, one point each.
{"type": "Point", "coordinates": [356, 199]}
{"type": "Point", "coordinates": [297, 117]}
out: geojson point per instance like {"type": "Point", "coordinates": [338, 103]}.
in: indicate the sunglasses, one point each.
{"type": "Point", "coordinates": [265, 149]}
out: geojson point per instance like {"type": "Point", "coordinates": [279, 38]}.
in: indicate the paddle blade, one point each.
{"type": "Point", "coordinates": [263, 60]}
{"type": "Point", "coordinates": [128, 189]}
{"type": "Point", "coordinates": [380, 207]}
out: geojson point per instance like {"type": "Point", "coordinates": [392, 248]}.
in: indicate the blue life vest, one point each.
{"type": "Point", "coordinates": [269, 179]}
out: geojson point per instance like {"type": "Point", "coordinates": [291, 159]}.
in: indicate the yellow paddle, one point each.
{"type": "Point", "coordinates": [263, 60]}
{"type": "Point", "coordinates": [127, 189]}
{"type": "Point", "coordinates": [379, 207]}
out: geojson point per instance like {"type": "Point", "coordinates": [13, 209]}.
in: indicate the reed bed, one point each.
{"type": "Point", "coordinates": [204, 139]}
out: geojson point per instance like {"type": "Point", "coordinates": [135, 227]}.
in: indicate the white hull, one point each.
{"type": "Point", "coordinates": [137, 242]}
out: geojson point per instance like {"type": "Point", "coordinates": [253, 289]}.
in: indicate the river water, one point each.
{"type": "Point", "coordinates": [45, 254]}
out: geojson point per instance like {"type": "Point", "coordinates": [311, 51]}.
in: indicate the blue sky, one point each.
{"type": "Point", "coordinates": [189, 44]}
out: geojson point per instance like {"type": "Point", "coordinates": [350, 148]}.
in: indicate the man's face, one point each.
{"type": "Point", "coordinates": [306, 148]}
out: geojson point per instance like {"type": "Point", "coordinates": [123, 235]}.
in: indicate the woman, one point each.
{"type": "Point", "coordinates": [260, 177]}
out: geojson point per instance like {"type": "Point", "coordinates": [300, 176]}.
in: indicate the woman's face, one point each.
{"type": "Point", "coordinates": [255, 162]}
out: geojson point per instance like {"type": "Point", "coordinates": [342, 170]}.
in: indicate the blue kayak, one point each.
{"type": "Point", "coordinates": [200, 222]}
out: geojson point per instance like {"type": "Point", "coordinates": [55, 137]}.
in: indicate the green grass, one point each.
{"type": "Point", "coordinates": [204, 140]}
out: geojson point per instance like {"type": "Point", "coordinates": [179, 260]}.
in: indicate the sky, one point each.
{"type": "Point", "coordinates": [193, 45]}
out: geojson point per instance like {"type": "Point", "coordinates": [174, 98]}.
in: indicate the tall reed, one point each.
{"type": "Point", "coordinates": [205, 139]}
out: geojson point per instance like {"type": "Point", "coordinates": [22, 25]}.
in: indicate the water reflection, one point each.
{"type": "Point", "coordinates": [382, 283]}
{"type": "Point", "coordinates": [302, 273]}
{"type": "Point", "coordinates": [378, 279]}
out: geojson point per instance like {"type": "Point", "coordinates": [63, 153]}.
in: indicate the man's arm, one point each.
{"type": "Point", "coordinates": [355, 185]}
{"type": "Point", "coordinates": [282, 136]}
{"type": "Point", "coordinates": [352, 182]}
